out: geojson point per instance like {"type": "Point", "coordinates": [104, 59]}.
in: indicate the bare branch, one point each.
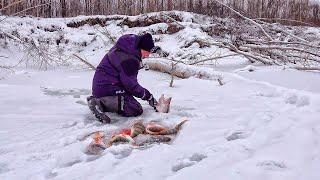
{"type": "Point", "coordinates": [248, 55]}
{"type": "Point", "coordinates": [11, 36]}
{"type": "Point", "coordinates": [106, 33]}
{"type": "Point", "coordinates": [171, 73]}
{"type": "Point", "coordinates": [220, 82]}
{"type": "Point", "coordinates": [286, 20]}
{"type": "Point", "coordinates": [213, 58]}
{"type": "Point", "coordinates": [294, 36]}
{"type": "Point", "coordinates": [173, 60]}
{"type": "Point", "coordinates": [246, 18]}
{"type": "Point", "coordinates": [85, 62]}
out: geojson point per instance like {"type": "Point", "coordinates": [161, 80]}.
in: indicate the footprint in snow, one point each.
{"type": "Point", "coordinates": [81, 102]}
{"type": "Point", "coordinates": [182, 164]}
{"type": "Point", "coordinates": [237, 135]}
{"type": "Point", "coordinates": [187, 162]}
{"type": "Point", "coordinates": [90, 119]}
{"type": "Point", "coordinates": [268, 94]}
{"type": "Point", "coordinates": [51, 174]}
{"type": "Point", "coordinates": [120, 151]}
{"type": "Point", "coordinates": [4, 151]}
{"type": "Point", "coordinates": [181, 111]}
{"type": "Point", "coordinates": [181, 108]}
{"type": "Point", "coordinates": [71, 163]}
{"type": "Point", "coordinates": [76, 93]}
{"type": "Point", "coordinates": [3, 168]}
{"type": "Point", "coordinates": [68, 125]}
{"type": "Point", "coordinates": [272, 165]}
{"type": "Point", "coordinates": [66, 141]}
{"type": "Point", "coordinates": [65, 160]}
{"type": "Point", "coordinates": [294, 99]}
{"type": "Point", "coordinates": [92, 158]}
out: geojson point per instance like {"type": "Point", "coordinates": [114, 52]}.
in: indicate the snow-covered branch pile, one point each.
{"type": "Point", "coordinates": [276, 44]}
{"type": "Point", "coordinates": [189, 38]}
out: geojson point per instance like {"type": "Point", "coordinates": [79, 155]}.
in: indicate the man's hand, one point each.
{"type": "Point", "coordinates": [152, 101]}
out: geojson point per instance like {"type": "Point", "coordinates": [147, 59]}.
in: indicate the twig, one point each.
{"type": "Point", "coordinates": [294, 36]}
{"type": "Point", "coordinates": [212, 58]}
{"type": "Point", "coordinates": [11, 36]}
{"type": "Point", "coordinates": [173, 60]}
{"type": "Point", "coordinates": [85, 62]}
{"type": "Point", "coordinates": [106, 32]}
{"type": "Point", "coordinates": [220, 82]}
{"type": "Point", "coordinates": [173, 67]}
{"type": "Point", "coordinates": [248, 55]}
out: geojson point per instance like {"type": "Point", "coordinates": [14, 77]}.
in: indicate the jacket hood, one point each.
{"type": "Point", "coordinates": [128, 44]}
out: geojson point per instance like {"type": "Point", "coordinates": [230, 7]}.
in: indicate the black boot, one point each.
{"type": "Point", "coordinates": [97, 111]}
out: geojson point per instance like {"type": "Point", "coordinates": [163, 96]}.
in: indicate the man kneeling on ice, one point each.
{"type": "Point", "coordinates": [115, 81]}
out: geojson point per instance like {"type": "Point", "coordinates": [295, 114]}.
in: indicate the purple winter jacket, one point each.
{"type": "Point", "coordinates": [118, 70]}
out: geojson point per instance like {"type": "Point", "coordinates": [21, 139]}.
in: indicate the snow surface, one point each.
{"type": "Point", "coordinates": [245, 129]}
{"type": "Point", "coordinates": [263, 123]}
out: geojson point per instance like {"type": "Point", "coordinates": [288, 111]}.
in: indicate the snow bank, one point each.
{"type": "Point", "coordinates": [179, 33]}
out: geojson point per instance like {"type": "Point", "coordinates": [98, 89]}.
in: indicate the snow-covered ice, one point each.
{"type": "Point", "coordinates": [245, 129]}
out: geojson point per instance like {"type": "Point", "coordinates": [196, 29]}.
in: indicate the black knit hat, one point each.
{"type": "Point", "coordinates": [146, 42]}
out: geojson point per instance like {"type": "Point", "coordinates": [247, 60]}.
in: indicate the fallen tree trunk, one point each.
{"type": "Point", "coordinates": [308, 68]}
{"type": "Point", "coordinates": [182, 70]}
{"type": "Point", "coordinates": [283, 48]}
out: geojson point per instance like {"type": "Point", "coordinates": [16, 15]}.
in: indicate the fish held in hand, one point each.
{"type": "Point", "coordinates": [163, 104]}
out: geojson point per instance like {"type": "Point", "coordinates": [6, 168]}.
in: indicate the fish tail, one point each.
{"type": "Point", "coordinates": [178, 126]}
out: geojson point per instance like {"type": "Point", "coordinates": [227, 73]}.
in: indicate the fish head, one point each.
{"type": "Point", "coordinates": [97, 138]}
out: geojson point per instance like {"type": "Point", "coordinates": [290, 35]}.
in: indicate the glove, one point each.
{"type": "Point", "coordinates": [159, 51]}
{"type": "Point", "coordinates": [152, 102]}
